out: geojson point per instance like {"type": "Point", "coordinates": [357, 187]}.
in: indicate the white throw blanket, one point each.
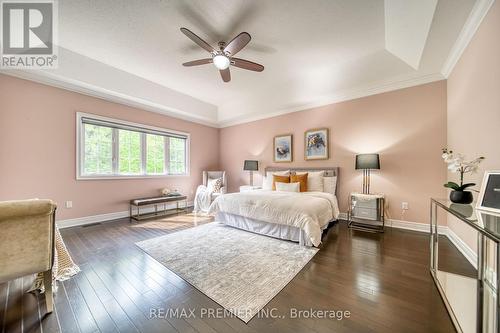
{"type": "Point", "coordinates": [63, 268]}
{"type": "Point", "coordinates": [202, 199]}
{"type": "Point", "coordinates": [309, 211]}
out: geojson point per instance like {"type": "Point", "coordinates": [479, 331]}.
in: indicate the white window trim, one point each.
{"type": "Point", "coordinates": [79, 150]}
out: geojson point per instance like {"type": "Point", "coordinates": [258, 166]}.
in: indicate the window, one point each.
{"type": "Point", "coordinates": [177, 162]}
{"type": "Point", "coordinates": [129, 152]}
{"type": "Point", "coordinates": [155, 158]}
{"type": "Point", "coordinates": [109, 148]}
{"type": "Point", "coordinates": [98, 150]}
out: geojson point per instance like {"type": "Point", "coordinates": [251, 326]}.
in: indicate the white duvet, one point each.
{"type": "Point", "coordinates": [309, 211]}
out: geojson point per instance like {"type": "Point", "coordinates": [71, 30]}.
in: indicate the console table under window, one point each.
{"type": "Point", "coordinates": [472, 302]}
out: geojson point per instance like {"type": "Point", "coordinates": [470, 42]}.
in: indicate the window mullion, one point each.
{"type": "Point", "coordinates": [167, 154]}
{"type": "Point", "coordinates": [185, 157]}
{"type": "Point", "coordinates": [115, 151]}
{"type": "Point", "coordinates": [143, 154]}
{"type": "Point", "coordinates": [83, 154]}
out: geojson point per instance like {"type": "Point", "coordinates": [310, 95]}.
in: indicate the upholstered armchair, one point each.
{"type": "Point", "coordinates": [27, 241]}
{"type": "Point", "coordinates": [214, 175]}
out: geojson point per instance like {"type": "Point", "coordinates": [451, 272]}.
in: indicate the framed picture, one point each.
{"type": "Point", "coordinates": [283, 148]}
{"type": "Point", "coordinates": [489, 196]}
{"type": "Point", "coordinates": [316, 144]}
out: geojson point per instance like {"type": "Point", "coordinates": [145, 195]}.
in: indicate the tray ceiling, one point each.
{"type": "Point", "coordinates": [314, 52]}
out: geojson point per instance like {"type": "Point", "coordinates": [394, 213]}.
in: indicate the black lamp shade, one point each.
{"type": "Point", "coordinates": [251, 165]}
{"type": "Point", "coordinates": [367, 161]}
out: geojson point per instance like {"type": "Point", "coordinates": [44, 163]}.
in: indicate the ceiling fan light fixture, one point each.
{"type": "Point", "coordinates": [223, 57]}
{"type": "Point", "coordinates": [221, 61]}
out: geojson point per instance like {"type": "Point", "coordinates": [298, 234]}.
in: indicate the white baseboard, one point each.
{"type": "Point", "coordinates": [79, 221]}
{"type": "Point", "coordinates": [407, 225]}
{"type": "Point", "coordinates": [468, 253]}
{"type": "Point", "coordinates": [465, 249]}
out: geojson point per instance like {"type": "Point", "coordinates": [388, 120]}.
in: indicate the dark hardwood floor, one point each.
{"type": "Point", "coordinates": [383, 280]}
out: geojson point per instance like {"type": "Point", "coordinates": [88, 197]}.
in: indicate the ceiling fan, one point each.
{"type": "Point", "coordinates": [224, 56]}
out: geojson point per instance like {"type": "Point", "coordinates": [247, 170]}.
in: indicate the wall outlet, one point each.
{"type": "Point", "coordinates": [69, 204]}
{"type": "Point", "coordinates": [405, 205]}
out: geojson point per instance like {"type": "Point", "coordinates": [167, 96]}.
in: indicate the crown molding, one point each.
{"type": "Point", "coordinates": [347, 95]}
{"type": "Point", "coordinates": [58, 81]}
{"type": "Point", "coordinates": [80, 87]}
{"type": "Point", "coordinates": [478, 13]}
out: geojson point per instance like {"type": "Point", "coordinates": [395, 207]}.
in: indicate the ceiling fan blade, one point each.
{"type": "Point", "coordinates": [198, 62]}
{"type": "Point", "coordinates": [246, 64]}
{"type": "Point", "coordinates": [237, 43]}
{"type": "Point", "coordinates": [225, 74]}
{"type": "Point", "coordinates": [191, 35]}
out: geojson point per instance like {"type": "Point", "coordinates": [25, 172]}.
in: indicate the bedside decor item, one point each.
{"type": "Point", "coordinates": [316, 144]}
{"type": "Point", "coordinates": [489, 196]}
{"type": "Point", "coordinates": [456, 163]}
{"type": "Point", "coordinates": [283, 148]}
{"type": "Point", "coordinates": [251, 166]}
{"type": "Point", "coordinates": [367, 162]}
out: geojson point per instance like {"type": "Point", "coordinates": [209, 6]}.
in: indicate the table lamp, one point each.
{"type": "Point", "coordinates": [251, 166]}
{"type": "Point", "coordinates": [367, 162]}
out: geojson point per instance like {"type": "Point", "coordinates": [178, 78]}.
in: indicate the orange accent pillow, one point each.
{"type": "Point", "coordinates": [280, 179]}
{"type": "Point", "coordinates": [302, 179]}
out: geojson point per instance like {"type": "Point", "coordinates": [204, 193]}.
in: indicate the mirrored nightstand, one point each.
{"type": "Point", "coordinates": [366, 212]}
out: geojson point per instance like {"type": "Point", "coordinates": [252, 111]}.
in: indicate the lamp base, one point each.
{"type": "Point", "coordinates": [366, 181]}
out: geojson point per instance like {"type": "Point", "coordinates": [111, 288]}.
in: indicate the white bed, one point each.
{"type": "Point", "coordinates": [299, 217]}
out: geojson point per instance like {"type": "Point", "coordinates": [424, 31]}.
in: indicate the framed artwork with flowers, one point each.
{"type": "Point", "coordinates": [316, 144]}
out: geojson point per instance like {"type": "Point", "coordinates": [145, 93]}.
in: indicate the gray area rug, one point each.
{"type": "Point", "coordinates": [240, 270]}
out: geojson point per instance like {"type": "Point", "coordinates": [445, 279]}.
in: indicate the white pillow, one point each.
{"type": "Point", "coordinates": [267, 181]}
{"type": "Point", "coordinates": [329, 184]}
{"type": "Point", "coordinates": [287, 187]}
{"type": "Point", "coordinates": [314, 180]}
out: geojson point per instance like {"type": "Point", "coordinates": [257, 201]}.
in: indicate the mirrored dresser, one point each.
{"type": "Point", "coordinates": [471, 294]}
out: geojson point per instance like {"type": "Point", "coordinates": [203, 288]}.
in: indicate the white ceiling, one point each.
{"type": "Point", "coordinates": [314, 52]}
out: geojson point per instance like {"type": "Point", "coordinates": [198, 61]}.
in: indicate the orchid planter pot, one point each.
{"type": "Point", "coordinates": [461, 197]}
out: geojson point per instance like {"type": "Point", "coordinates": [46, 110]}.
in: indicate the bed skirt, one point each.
{"type": "Point", "coordinates": [275, 230]}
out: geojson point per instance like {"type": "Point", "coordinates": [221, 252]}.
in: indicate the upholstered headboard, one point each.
{"type": "Point", "coordinates": [329, 171]}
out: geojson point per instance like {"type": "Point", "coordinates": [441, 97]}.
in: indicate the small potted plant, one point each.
{"type": "Point", "coordinates": [456, 163]}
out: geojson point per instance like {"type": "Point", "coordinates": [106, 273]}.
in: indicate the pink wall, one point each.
{"type": "Point", "coordinates": [474, 105]}
{"type": "Point", "coordinates": [407, 127]}
{"type": "Point", "coordinates": [37, 150]}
